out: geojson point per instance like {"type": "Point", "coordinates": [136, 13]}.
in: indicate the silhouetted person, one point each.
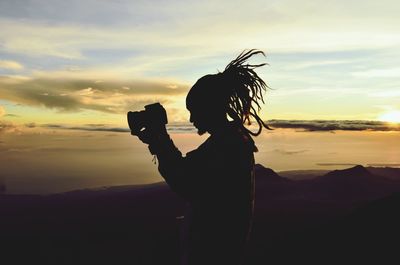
{"type": "Point", "coordinates": [217, 178]}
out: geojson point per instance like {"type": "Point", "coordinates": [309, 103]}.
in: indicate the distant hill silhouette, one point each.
{"type": "Point", "coordinates": [356, 183]}
{"type": "Point", "coordinates": [348, 185]}
{"type": "Point", "coordinates": [264, 174]}
{"type": "Point", "coordinates": [348, 176]}
{"type": "Point", "coordinates": [340, 215]}
{"type": "Point", "coordinates": [387, 172]}
{"type": "Point", "coordinates": [303, 174]}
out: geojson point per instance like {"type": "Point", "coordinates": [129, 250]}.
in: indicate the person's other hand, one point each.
{"type": "Point", "coordinates": [152, 135]}
{"type": "Point", "coordinates": [146, 136]}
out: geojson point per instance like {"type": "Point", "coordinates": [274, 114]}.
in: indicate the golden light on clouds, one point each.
{"type": "Point", "coordinates": [325, 63]}
{"type": "Point", "coordinates": [67, 80]}
{"type": "Point", "coordinates": [13, 65]}
{"type": "Point", "coordinates": [74, 94]}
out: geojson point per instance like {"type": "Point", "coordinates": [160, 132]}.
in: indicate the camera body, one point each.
{"type": "Point", "coordinates": [153, 116]}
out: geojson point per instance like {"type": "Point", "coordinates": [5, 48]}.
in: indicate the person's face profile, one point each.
{"type": "Point", "coordinates": [199, 121]}
{"type": "Point", "coordinates": [200, 104]}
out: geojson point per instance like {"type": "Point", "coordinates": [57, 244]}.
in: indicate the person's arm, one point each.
{"type": "Point", "coordinates": [178, 171]}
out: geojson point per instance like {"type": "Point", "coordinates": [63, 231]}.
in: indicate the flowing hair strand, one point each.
{"type": "Point", "coordinates": [246, 90]}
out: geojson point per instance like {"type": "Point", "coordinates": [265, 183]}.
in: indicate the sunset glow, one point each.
{"type": "Point", "coordinates": [69, 72]}
{"type": "Point", "coordinates": [153, 132]}
{"type": "Point", "coordinates": [99, 60]}
{"type": "Point", "coordinates": [393, 116]}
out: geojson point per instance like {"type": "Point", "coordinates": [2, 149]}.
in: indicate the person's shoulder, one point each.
{"type": "Point", "coordinates": [239, 138]}
{"type": "Point", "coordinates": [202, 149]}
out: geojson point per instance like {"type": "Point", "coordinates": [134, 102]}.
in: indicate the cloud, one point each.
{"type": "Point", "coordinates": [336, 164]}
{"type": "Point", "coordinates": [386, 94]}
{"type": "Point", "coordinates": [2, 111]}
{"type": "Point", "coordinates": [290, 152]}
{"type": "Point", "coordinates": [384, 165]}
{"type": "Point", "coordinates": [374, 73]}
{"type": "Point", "coordinates": [310, 126]}
{"type": "Point", "coordinates": [30, 125]}
{"type": "Point", "coordinates": [76, 94]}
{"type": "Point", "coordinates": [314, 63]}
{"type": "Point", "coordinates": [182, 127]}
{"type": "Point", "coordinates": [173, 128]}
{"type": "Point", "coordinates": [87, 127]}
{"type": "Point", "coordinates": [7, 127]}
{"type": "Point", "coordinates": [141, 26]}
{"type": "Point", "coordinates": [185, 127]}
{"type": "Point", "coordinates": [74, 150]}
{"type": "Point", "coordinates": [333, 125]}
{"type": "Point", "coordinates": [108, 40]}
{"type": "Point", "coordinates": [12, 65]}
{"type": "Point", "coordinates": [369, 165]}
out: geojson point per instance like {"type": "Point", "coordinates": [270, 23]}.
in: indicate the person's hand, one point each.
{"type": "Point", "coordinates": [146, 136]}
{"type": "Point", "coordinates": [152, 136]}
{"type": "Point", "coordinates": [154, 139]}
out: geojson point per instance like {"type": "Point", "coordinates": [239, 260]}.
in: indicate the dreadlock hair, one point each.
{"type": "Point", "coordinates": [246, 91]}
{"type": "Point", "coordinates": [237, 92]}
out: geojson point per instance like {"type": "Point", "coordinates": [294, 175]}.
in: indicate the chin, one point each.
{"type": "Point", "coordinates": [201, 131]}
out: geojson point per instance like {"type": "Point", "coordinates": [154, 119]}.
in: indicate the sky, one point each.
{"type": "Point", "coordinates": [84, 62]}
{"type": "Point", "coordinates": [71, 160]}
{"type": "Point", "coordinates": [70, 70]}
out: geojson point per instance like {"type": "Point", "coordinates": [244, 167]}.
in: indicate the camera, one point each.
{"type": "Point", "coordinates": [153, 116]}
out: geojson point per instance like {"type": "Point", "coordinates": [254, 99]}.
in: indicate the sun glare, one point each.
{"type": "Point", "coordinates": [393, 116]}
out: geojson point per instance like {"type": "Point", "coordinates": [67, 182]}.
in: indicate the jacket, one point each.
{"type": "Point", "coordinates": [217, 181]}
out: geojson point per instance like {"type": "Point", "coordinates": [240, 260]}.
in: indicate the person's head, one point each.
{"type": "Point", "coordinates": [206, 103]}
{"type": "Point", "coordinates": [236, 93]}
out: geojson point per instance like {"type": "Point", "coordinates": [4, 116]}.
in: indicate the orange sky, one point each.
{"type": "Point", "coordinates": [69, 72]}
{"type": "Point", "coordinates": [65, 160]}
